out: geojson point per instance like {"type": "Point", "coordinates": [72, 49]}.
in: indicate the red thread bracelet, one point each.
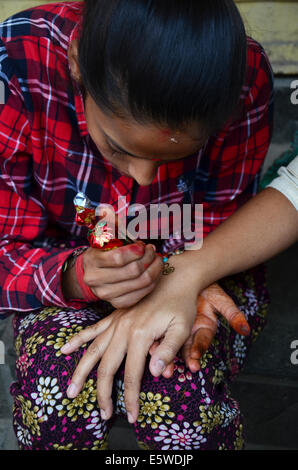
{"type": "Point", "coordinates": [87, 292]}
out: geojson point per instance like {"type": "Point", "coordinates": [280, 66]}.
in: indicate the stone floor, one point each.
{"type": "Point", "coordinates": [267, 389]}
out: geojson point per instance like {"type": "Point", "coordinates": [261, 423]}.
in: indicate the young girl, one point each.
{"type": "Point", "coordinates": [160, 102]}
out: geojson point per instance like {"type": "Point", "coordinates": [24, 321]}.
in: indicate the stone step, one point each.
{"type": "Point", "coordinates": [286, 112]}
{"type": "Point", "coordinates": [271, 354]}
{"type": "Point", "coordinates": [122, 436]}
{"type": "Point", "coordinates": [285, 120]}
{"type": "Point", "coordinates": [270, 410]}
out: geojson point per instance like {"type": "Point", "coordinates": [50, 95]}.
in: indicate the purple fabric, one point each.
{"type": "Point", "coordinates": [188, 411]}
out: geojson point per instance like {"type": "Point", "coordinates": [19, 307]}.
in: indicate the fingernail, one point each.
{"type": "Point", "coordinates": [196, 355]}
{"type": "Point", "coordinates": [160, 366]}
{"type": "Point", "coordinates": [137, 249]}
{"type": "Point", "coordinates": [194, 368]}
{"type": "Point", "coordinates": [103, 414]}
{"type": "Point", "coordinates": [130, 418]}
{"type": "Point", "coordinates": [65, 348]}
{"type": "Point", "coordinates": [153, 247]}
{"type": "Point", "coordinates": [72, 391]}
{"type": "Point", "coordinates": [244, 328]}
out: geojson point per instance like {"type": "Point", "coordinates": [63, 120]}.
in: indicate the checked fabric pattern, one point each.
{"type": "Point", "coordinates": [47, 156]}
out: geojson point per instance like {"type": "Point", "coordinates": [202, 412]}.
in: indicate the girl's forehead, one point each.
{"type": "Point", "coordinates": [165, 135]}
{"type": "Point", "coordinates": [165, 132]}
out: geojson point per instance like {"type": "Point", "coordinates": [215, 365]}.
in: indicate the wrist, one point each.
{"type": "Point", "coordinates": [185, 277]}
{"type": "Point", "coordinates": [70, 286]}
{"type": "Point", "coordinates": [88, 295]}
{"type": "Point", "coordinates": [70, 262]}
{"type": "Point", "coordinates": [196, 269]}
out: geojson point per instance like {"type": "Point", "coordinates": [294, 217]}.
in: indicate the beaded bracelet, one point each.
{"type": "Point", "coordinates": [167, 268]}
{"type": "Point", "coordinates": [70, 262]}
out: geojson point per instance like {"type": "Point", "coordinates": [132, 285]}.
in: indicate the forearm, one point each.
{"type": "Point", "coordinates": [265, 226]}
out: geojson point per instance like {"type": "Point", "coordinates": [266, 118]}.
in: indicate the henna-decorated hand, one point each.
{"type": "Point", "coordinates": [211, 301]}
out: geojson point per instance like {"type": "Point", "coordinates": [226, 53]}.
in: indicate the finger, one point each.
{"type": "Point", "coordinates": [165, 353]}
{"type": "Point", "coordinates": [92, 355]}
{"type": "Point", "coordinates": [134, 371]}
{"type": "Point", "coordinates": [153, 347]}
{"type": "Point", "coordinates": [112, 291]}
{"type": "Point", "coordinates": [130, 271]}
{"type": "Point", "coordinates": [240, 325]}
{"type": "Point", "coordinates": [88, 334]}
{"type": "Point", "coordinates": [192, 364]}
{"type": "Point", "coordinates": [110, 363]}
{"type": "Point", "coordinates": [114, 258]}
{"type": "Point", "coordinates": [206, 317]}
{"type": "Point", "coordinates": [225, 305]}
{"type": "Point", "coordinates": [198, 343]}
{"type": "Point", "coordinates": [201, 342]}
{"type": "Point", "coordinates": [169, 370]}
{"type": "Point", "coordinates": [131, 299]}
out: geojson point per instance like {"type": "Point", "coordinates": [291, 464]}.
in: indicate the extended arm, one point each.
{"type": "Point", "coordinates": [263, 227]}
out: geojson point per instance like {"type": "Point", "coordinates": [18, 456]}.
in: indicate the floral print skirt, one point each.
{"type": "Point", "coordinates": [186, 412]}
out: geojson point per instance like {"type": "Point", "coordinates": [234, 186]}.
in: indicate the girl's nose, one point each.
{"type": "Point", "coordinates": [143, 171]}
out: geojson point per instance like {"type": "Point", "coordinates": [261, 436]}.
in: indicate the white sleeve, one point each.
{"type": "Point", "coordinates": [287, 182]}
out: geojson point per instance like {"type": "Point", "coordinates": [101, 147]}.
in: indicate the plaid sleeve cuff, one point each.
{"type": "Point", "coordinates": [48, 285]}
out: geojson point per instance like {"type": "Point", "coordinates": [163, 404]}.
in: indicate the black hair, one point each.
{"type": "Point", "coordinates": [164, 61]}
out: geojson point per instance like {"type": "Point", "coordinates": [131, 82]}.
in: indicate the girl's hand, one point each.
{"type": "Point", "coordinates": [164, 315]}
{"type": "Point", "coordinates": [122, 276]}
{"type": "Point", "coordinates": [212, 300]}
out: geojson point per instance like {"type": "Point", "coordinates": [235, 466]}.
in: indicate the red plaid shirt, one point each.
{"type": "Point", "coordinates": [47, 156]}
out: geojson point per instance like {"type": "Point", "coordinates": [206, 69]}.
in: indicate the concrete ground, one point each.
{"type": "Point", "coordinates": [267, 389]}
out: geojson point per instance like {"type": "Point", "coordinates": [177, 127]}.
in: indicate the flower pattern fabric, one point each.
{"type": "Point", "coordinates": [189, 411]}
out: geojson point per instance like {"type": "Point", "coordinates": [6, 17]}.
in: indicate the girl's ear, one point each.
{"type": "Point", "coordinates": [73, 61]}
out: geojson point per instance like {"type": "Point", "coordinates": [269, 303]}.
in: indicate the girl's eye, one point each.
{"type": "Point", "coordinates": [115, 151]}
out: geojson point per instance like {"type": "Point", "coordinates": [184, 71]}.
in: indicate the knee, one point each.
{"type": "Point", "coordinates": [43, 411]}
